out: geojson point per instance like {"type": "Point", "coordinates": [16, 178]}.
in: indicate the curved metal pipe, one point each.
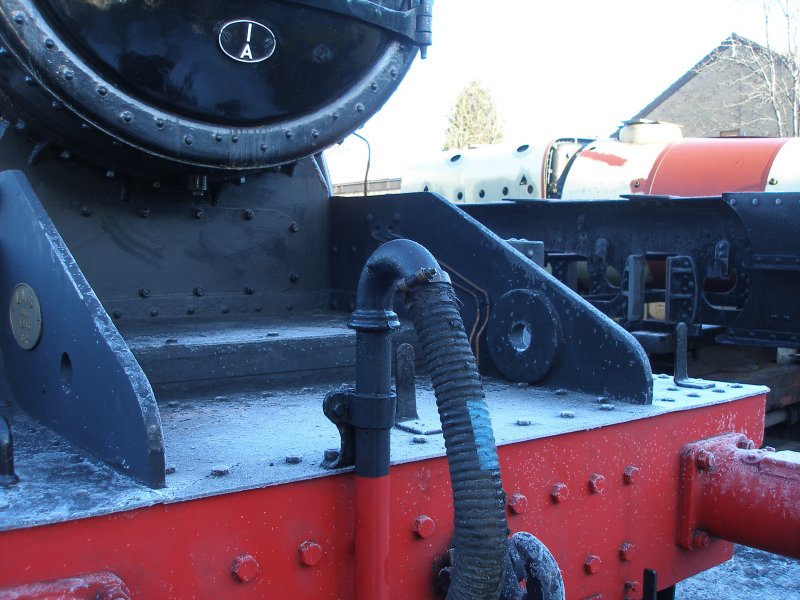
{"type": "Point", "coordinates": [394, 266]}
{"type": "Point", "coordinates": [480, 524]}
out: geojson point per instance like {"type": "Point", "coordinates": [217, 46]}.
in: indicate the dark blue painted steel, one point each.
{"type": "Point", "coordinates": [81, 378]}
{"type": "Point", "coordinates": [590, 350]}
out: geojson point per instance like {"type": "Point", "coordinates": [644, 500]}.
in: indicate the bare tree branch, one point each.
{"type": "Point", "coordinates": [768, 78]}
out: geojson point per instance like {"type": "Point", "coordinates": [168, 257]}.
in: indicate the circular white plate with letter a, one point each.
{"type": "Point", "coordinates": [247, 41]}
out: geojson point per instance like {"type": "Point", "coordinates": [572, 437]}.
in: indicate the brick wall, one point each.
{"type": "Point", "coordinates": [718, 98]}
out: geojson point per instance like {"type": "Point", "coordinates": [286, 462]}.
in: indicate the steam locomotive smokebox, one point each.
{"type": "Point", "coordinates": [203, 85]}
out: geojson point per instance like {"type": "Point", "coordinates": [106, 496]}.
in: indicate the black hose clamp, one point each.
{"type": "Point", "coordinates": [422, 277]}
{"type": "Point", "coordinates": [371, 411]}
{"type": "Point", "coordinates": [350, 411]}
{"type": "Point", "coordinates": [373, 320]}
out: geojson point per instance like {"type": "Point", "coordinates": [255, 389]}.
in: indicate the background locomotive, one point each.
{"type": "Point", "coordinates": [188, 308]}
{"type": "Point", "coordinates": [725, 265]}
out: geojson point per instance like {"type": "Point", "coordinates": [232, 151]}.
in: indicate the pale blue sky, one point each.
{"type": "Point", "coordinates": [554, 68]}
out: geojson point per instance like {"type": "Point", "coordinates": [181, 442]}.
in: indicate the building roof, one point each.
{"type": "Point", "coordinates": [730, 41]}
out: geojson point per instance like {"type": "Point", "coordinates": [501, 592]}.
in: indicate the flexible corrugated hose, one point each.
{"type": "Point", "coordinates": [478, 500]}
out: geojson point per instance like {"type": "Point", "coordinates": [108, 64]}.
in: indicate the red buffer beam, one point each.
{"type": "Point", "coordinates": [603, 500]}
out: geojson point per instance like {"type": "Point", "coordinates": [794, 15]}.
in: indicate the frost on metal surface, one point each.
{"type": "Point", "coordinates": [750, 574]}
{"type": "Point", "coordinates": [788, 456]}
{"type": "Point", "coordinates": [59, 482]}
{"type": "Point", "coordinates": [226, 443]}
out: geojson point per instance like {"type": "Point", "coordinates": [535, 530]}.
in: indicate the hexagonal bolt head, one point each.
{"type": "Point", "coordinates": [631, 585]}
{"type": "Point", "coordinates": [745, 444]}
{"type": "Point", "coordinates": [310, 553]}
{"type": "Point", "coordinates": [626, 551]}
{"type": "Point", "coordinates": [597, 483]}
{"type": "Point", "coordinates": [244, 568]}
{"type": "Point", "coordinates": [592, 564]}
{"type": "Point", "coordinates": [705, 460]}
{"type": "Point", "coordinates": [700, 539]}
{"type": "Point", "coordinates": [560, 492]}
{"type": "Point", "coordinates": [630, 474]}
{"type": "Point", "coordinates": [424, 526]}
{"type": "Point", "coordinates": [518, 503]}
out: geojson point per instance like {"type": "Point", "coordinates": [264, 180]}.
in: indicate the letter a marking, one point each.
{"type": "Point", "coordinates": [246, 53]}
